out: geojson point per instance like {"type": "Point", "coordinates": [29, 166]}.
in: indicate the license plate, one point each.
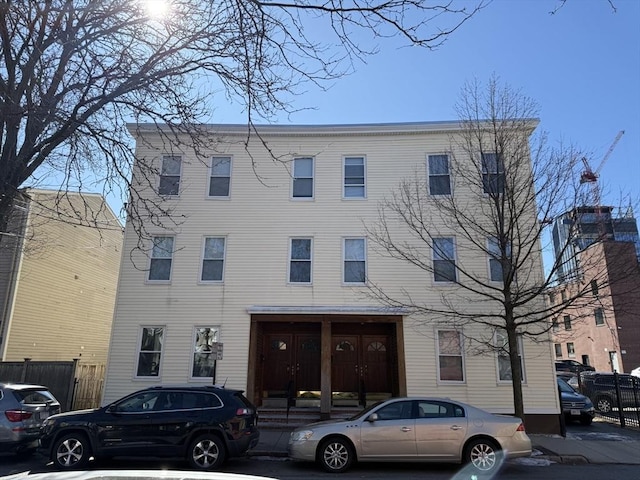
{"type": "Point", "coordinates": [575, 412]}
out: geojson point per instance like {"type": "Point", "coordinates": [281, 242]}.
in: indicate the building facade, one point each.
{"type": "Point", "coordinates": [59, 266]}
{"type": "Point", "coordinates": [603, 328]}
{"type": "Point", "coordinates": [262, 284]}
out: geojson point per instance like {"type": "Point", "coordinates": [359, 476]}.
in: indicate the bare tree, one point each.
{"type": "Point", "coordinates": [476, 220]}
{"type": "Point", "coordinates": [74, 72]}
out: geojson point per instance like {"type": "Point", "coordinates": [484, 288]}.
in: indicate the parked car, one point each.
{"type": "Point", "coordinates": [573, 366]}
{"type": "Point", "coordinates": [23, 408]}
{"type": "Point", "coordinates": [575, 406]}
{"type": "Point", "coordinates": [570, 378]}
{"type": "Point", "coordinates": [600, 387]}
{"type": "Point", "coordinates": [203, 424]}
{"type": "Point", "coordinates": [413, 429]}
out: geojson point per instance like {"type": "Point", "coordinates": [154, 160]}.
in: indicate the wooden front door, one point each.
{"type": "Point", "coordinates": [345, 369]}
{"type": "Point", "coordinates": [307, 363]}
{"type": "Point", "coordinates": [291, 363]}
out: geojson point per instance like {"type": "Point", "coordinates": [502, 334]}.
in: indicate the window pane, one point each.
{"type": "Point", "coordinates": [203, 365]}
{"type": "Point", "coordinates": [150, 352]}
{"type": "Point", "coordinates": [169, 185]}
{"type": "Point", "coordinates": [439, 185]}
{"type": "Point", "coordinates": [438, 165]}
{"type": "Point", "coordinates": [496, 270]}
{"type": "Point", "coordinates": [300, 272]}
{"type": "Point", "coordinates": [449, 342]}
{"type": "Point", "coordinates": [160, 269]}
{"type": "Point", "coordinates": [451, 368]}
{"type": "Point", "coordinates": [443, 249]}
{"type": "Point", "coordinates": [221, 166]}
{"type": "Point", "coordinates": [214, 248]}
{"type": "Point", "coordinates": [300, 249]}
{"type": "Point", "coordinates": [354, 249]}
{"type": "Point", "coordinates": [219, 186]}
{"type": "Point", "coordinates": [151, 339]}
{"type": "Point", "coordinates": [171, 165]}
{"type": "Point", "coordinates": [303, 167]}
{"type": "Point", "coordinates": [354, 177]}
{"type": "Point", "coordinates": [303, 187]}
{"type": "Point", "coordinates": [212, 270]}
{"type": "Point", "coordinates": [162, 247]}
{"type": "Point", "coordinates": [354, 272]}
{"type": "Point", "coordinates": [352, 192]}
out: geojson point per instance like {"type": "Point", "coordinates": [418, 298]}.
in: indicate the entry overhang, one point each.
{"type": "Point", "coordinates": [326, 310]}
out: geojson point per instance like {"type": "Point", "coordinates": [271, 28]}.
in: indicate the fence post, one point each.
{"type": "Point", "coordinates": [25, 367]}
{"type": "Point", "coordinates": [616, 379]}
{"type": "Point", "coordinates": [72, 386]}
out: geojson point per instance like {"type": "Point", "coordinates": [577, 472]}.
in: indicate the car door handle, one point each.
{"type": "Point", "coordinates": [406, 429]}
{"type": "Point", "coordinates": [456, 427]}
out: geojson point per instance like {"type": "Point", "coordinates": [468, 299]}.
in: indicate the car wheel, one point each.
{"type": "Point", "coordinates": [71, 452]}
{"type": "Point", "coordinates": [207, 452]}
{"type": "Point", "coordinates": [335, 455]}
{"type": "Point", "coordinates": [603, 404]}
{"type": "Point", "coordinates": [483, 455]}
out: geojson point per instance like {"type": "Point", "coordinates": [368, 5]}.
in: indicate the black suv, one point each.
{"type": "Point", "coordinates": [572, 366]}
{"type": "Point", "coordinates": [601, 389]}
{"type": "Point", "coordinates": [203, 424]}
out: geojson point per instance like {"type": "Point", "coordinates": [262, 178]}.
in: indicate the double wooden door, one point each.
{"type": "Point", "coordinates": [292, 362]}
{"type": "Point", "coordinates": [360, 363]}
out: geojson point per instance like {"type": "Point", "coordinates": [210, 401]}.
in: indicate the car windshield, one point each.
{"type": "Point", "coordinates": [30, 397]}
{"type": "Point", "coordinates": [565, 387]}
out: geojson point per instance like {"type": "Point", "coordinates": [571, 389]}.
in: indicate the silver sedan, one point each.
{"type": "Point", "coordinates": [413, 429]}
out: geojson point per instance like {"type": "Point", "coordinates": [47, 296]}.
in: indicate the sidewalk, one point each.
{"type": "Point", "coordinates": [601, 443]}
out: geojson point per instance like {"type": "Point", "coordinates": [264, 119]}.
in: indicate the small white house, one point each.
{"type": "Point", "coordinates": [262, 282]}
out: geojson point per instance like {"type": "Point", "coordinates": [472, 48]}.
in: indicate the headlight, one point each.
{"type": "Point", "coordinates": [301, 435]}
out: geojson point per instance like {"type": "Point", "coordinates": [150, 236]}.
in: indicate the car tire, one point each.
{"type": "Point", "coordinates": [586, 420]}
{"type": "Point", "coordinates": [483, 455]}
{"type": "Point", "coordinates": [604, 404]}
{"type": "Point", "coordinates": [335, 455]}
{"type": "Point", "coordinates": [71, 452]}
{"type": "Point", "coordinates": [207, 452]}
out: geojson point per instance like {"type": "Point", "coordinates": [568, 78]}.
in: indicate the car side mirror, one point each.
{"type": "Point", "coordinates": [113, 408]}
{"type": "Point", "coordinates": [372, 418]}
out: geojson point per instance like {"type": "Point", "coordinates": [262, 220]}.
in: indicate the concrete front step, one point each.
{"type": "Point", "coordinates": [279, 419]}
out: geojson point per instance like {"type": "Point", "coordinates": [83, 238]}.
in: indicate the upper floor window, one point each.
{"type": "Point", "coordinates": [170, 175]}
{"type": "Point", "coordinates": [439, 176]}
{"type": "Point", "coordinates": [355, 260]}
{"type": "Point", "coordinates": [150, 352]}
{"type": "Point", "coordinates": [492, 173]}
{"type": "Point", "coordinates": [213, 259]}
{"type": "Point", "coordinates": [558, 349]}
{"type": "Point", "coordinates": [594, 287]}
{"type": "Point", "coordinates": [300, 260]}
{"type": "Point", "coordinates": [450, 366]}
{"type": "Point", "coordinates": [571, 349]}
{"type": "Point", "coordinates": [303, 177]}
{"type": "Point", "coordinates": [504, 361]}
{"type": "Point", "coordinates": [444, 259]}
{"type": "Point", "coordinates": [567, 322]}
{"type": "Point", "coordinates": [161, 259]}
{"type": "Point", "coordinates": [599, 314]}
{"type": "Point", "coordinates": [354, 184]}
{"type": "Point", "coordinates": [220, 177]}
{"type": "Point", "coordinates": [554, 325]}
{"type": "Point", "coordinates": [204, 353]}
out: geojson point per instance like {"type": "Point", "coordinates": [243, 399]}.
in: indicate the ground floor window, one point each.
{"type": "Point", "coordinates": [204, 353]}
{"type": "Point", "coordinates": [150, 352]}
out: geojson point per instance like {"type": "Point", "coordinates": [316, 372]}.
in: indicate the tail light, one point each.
{"type": "Point", "coordinates": [17, 415]}
{"type": "Point", "coordinates": [244, 411]}
{"type": "Point", "coordinates": [520, 428]}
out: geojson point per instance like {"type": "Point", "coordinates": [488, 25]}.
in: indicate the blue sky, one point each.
{"type": "Point", "coordinates": [582, 65]}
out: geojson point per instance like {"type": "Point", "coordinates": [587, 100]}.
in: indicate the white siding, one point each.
{"type": "Point", "coordinates": [258, 221]}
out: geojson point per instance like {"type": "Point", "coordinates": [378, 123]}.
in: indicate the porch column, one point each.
{"type": "Point", "coordinates": [325, 369]}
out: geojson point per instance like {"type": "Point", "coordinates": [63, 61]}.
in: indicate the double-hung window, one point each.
{"type": "Point", "coordinates": [558, 349]}
{"type": "Point", "coordinates": [170, 175]}
{"type": "Point", "coordinates": [213, 259]}
{"type": "Point", "coordinates": [150, 352]}
{"type": "Point", "coordinates": [504, 363]}
{"type": "Point", "coordinates": [571, 350]}
{"type": "Point", "coordinates": [220, 177]}
{"type": "Point", "coordinates": [161, 259]}
{"type": "Point", "coordinates": [492, 174]}
{"type": "Point", "coordinates": [567, 322]}
{"type": "Point", "coordinates": [444, 259]}
{"type": "Point", "coordinates": [205, 340]}
{"type": "Point", "coordinates": [439, 176]}
{"type": "Point", "coordinates": [495, 259]}
{"type": "Point", "coordinates": [450, 365]}
{"type": "Point", "coordinates": [599, 314]}
{"type": "Point", "coordinates": [300, 260]}
{"type": "Point", "coordinates": [355, 260]}
{"type": "Point", "coordinates": [303, 177]}
{"type": "Point", "coordinates": [354, 182]}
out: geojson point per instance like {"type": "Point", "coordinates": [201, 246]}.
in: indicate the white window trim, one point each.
{"type": "Point", "coordinates": [173, 256]}
{"type": "Point", "coordinates": [464, 376]}
{"type": "Point", "coordinates": [344, 168]}
{"type": "Point", "coordinates": [138, 350]}
{"type": "Point", "coordinates": [166, 195]}
{"type": "Point", "coordinates": [206, 380]}
{"type": "Point", "coordinates": [210, 170]}
{"type": "Point", "coordinates": [366, 263]}
{"type": "Point", "coordinates": [289, 260]}
{"type": "Point", "coordinates": [455, 259]}
{"type": "Point", "coordinates": [482, 173]}
{"type": "Point", "coordinates": [313, 178]}
{"type": "Point", "coordinates": [224, 260]}
{"type": "Point", "coordinates": [522, 363]}
{"type": "Point", "coordinates": [450, 194]}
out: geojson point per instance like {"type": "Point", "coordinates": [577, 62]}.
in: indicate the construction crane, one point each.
{"type": "Point", "coordinates": [591, 176]}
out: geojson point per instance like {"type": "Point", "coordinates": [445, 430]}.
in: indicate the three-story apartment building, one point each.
{"type": "Point", "coordinates": [262, 283]}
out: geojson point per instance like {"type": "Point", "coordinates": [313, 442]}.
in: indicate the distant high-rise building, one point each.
{"type": "Point", "coordinates": [579, 228]}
